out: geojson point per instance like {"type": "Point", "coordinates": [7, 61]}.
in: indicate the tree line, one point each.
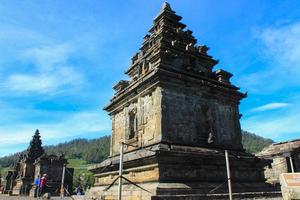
{"type": "Point", "coordinates": [96, 150]}
{"type": "Point", "coordinates": [92, 151]}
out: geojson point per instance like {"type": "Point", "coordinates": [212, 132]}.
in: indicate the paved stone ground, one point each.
{"type": "Point", "coordinates": [28, 198]}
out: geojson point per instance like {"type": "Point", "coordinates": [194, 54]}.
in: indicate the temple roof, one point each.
{"type": "Point", "coordinates": [169, 46]}
{"type": "Point", "coordinates": [168, 39]}
{"type": "Point", "coordinates": [280, 148]}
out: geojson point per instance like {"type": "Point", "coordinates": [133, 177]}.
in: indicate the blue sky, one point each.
{"type": "Point", "coordinates": [60, 59]}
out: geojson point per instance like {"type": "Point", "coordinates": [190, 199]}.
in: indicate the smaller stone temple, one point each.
{"type": "Point", "coordinates": [33, 163]}
{"type": "Point", "coordinates": [285, 157]}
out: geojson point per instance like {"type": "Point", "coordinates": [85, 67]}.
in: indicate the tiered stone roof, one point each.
{"type": "Point", "coordinates": [170, 46]}
{"type": "Point", "coordinates": [35, 148]}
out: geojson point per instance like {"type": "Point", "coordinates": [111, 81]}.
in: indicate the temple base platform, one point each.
{"type": "Point", "coordinates": [164, 171]}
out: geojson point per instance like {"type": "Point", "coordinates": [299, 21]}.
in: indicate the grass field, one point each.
{"type": "Point", "coordinates": [81, 174]}
{"type": "Point", "coordinates": [3, 173]}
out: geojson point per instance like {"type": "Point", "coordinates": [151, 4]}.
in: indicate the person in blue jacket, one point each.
{"type": "Point", "coordinates": [37, 184]}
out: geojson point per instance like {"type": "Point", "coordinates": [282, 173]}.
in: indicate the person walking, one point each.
{"type": "Point", "coordinates": [42, 185]}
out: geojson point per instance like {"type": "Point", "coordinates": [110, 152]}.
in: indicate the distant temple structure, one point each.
{"type": "Point", "coordinates": [176, 116]}
{"type": "Point", "coordinates": [33, 163]}
{"type": "Point", "coordinates": [285, 158]}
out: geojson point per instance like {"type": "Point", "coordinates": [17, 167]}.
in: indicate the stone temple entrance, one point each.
{"type": "Point", "coordinates": [178, 115]}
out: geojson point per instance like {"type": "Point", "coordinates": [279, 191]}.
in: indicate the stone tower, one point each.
{"type": "Point", "coordinates": [35, 148]}
{"type": "Point", "coordinates": [177, 115]}
{"type": "Point", "coordinates": [35, 162]}
{"type": "Point", "coordinates": [24, 169]}
{"type": "Point", "coordinates": [173, 95]}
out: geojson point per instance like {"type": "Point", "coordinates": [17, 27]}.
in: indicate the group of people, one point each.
{"type": "Point", "coordinates": [40, 183]}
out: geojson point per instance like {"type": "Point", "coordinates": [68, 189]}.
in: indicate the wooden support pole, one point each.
{"type": "Point", "coordinates": [121, 170]}
{"type": "Point", "coordinates": [291, 163]}
{"type": "Point", "coordinates": [228, 175]}
{"type": "Point", "coordinates": [62, 188]}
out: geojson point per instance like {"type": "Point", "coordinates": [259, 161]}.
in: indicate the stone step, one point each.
{"type": "Point", "coordinates": [236, 196]}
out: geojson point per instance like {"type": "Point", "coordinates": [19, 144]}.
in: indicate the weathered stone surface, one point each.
{"type": "Point", "coordinates": [283, 155]}
{"type": "Point", "coordinates": [290, 185]}
{"type": "Point", "coordinates": [181, 170]}
{"type": "Point", "coordinates": [52, 165]}
{"type": "Point", "coordinates": [20, 180]}
{"type": "Point", "coordinates": [148, 116]}
{"type": "Point", "coordinates": [177, 116]}
{"type": "Point", "coordinates": [174, 94]}
{"type": "Point", "coordinates": [35, 163]}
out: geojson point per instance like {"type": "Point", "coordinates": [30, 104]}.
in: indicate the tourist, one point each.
{"type": "Point", "coordinates": [37, 185]}
{"type": "Point", "coordinates": [42, 184]}
{"type": "Point", "coordinates": [79, 190]}
{"type": "Point", "coordinates": [87, 184]}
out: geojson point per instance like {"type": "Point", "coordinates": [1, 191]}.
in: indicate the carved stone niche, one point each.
{"type": "Point", "coordinates": [223, 76]}
{"type": "Point", "coordinates": [121, 85]}
{"type": "Point", "coordinates": [145, 66]}
{"type": "Point", "coordinates": [132, 126]}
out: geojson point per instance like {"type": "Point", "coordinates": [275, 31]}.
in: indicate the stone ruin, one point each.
{"type": "Point", "coordinates": [33, 163]}
{"type": "Point", "coordinates": [1, 186]}
{"type": "Point", "coordinates": [177, 116]}
{"type": "Point", "coordinates": [284, 157]}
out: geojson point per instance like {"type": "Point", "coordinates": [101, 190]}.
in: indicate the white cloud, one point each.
{"type": "Point", "coordinates": [19, 124]}
{"type": "Point", "coordinates": [44, 83]}
{"type": "Point", "coordinates": [270, 106]}
{"type": "Point", "coordinates": [280, 124]}
{"type": "Point", "coordinates": [47, 57]}
{"type": "Point", "coordinates": [283, 43]}
{"type": "Point", "coordinates": [281, 70]}
{"type": "Point", "coordinates": [280, 127]}
{"type": "Point", "coordinates": [281, 55]}
{"type": "Point", "coordinates": [53, 74]}
{"type": "Point", "coordinates": [71, 125]}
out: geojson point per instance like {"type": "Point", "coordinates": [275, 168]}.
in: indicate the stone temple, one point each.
{"type": "Point", "coordinates": [33, 163]}
{"type": "Point", "coordinates": [285, 158]}
{"type": "Point", "coordinates": [179, 115]}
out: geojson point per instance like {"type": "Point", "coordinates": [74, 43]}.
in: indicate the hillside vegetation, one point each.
{"type": "Point", "coordinates": [82, 152]}
{"type": "Point", "coordinates": [91, 151]}
{"type": "Point", "coordinates": [96, 150]}
{"type": "Point", "coordinates": [254, 143]}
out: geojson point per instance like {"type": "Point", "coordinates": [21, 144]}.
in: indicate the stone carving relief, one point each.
{"type": "Point", "coordinates": [208, 124]}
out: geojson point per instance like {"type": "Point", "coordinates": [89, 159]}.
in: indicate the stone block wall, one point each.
{"type": "Point", "coordinates": [192, 117]}
{"type": "Point", "coordinates": [148, 124]}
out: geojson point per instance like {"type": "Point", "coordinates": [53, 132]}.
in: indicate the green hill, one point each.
{"type": "Point", "coordinates": [80, 153]}
{"type": "Point", "coordinates": [91, 151]}
{"type": "Point", "coordinates": [254, 143]}
{"type": "Point", "coordinates": [96, 150]}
